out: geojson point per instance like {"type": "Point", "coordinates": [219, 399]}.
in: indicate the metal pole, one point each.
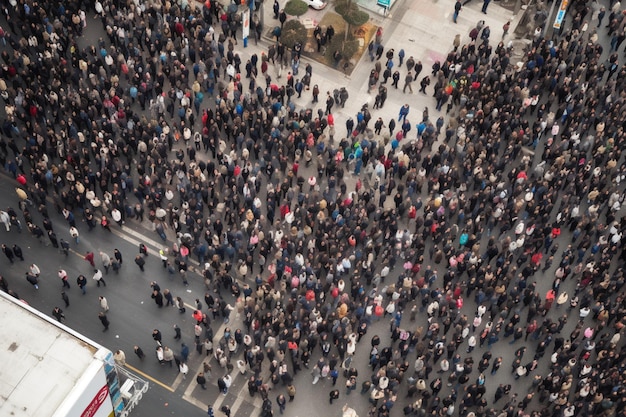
{"type": "Point", "coordinates": [547, 32]}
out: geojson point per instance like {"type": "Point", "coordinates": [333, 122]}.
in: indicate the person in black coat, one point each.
{"type": "Point", "coordinates": [104, 320]}
{"type": "Point", "coordinates": [17, 251]}
{"type": "Point", "coordinates": [8, 252]}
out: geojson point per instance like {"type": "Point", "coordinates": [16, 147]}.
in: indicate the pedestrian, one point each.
{"type": "Point", "coordinates": [106, 261]}
{"type": "Point", "coordinates": [177, 335]}
{"type": "Point", "coordinates": [184, 352]}
{"type": "Point", "coordinates": [225, 409]}
{"type": "Point", "coordinates": [157, 336]}
{"type": "Point", "coordinates": [104, 222]}
{"type": "Point", "coordinates": [457, 9]}
{"type": "Point", "coordinates": [158, 298]}
{"type": "Point", "coordinates": [98, 277]}
{"type": "Point", "coordinates": [183, 369]}
{"type": "Point", "coordinates": [8, 252]}
{"type": "Point", "coordinates": [104, 304]}
{"type": "Point", "coordinates": [333, 395]}
{"type": "Point", "coordinates": [281, 401]}
{"type": "Point", "coordinates": [104, 320]}
{"type": "Point", "coordinates": [424, 83]}
{"type": "Point", "coordinates": [140, 262]}
{"type": "Point", "coordinates": [169, 298]}
{"type": "Point", "coordinates": [276, 9]}
{"type": "Point", "coordinates": [485, 5]}
{"type": "Point", "coordinates": [209, 410]}
{"type": "Point", "coordinates": [65, 247]}
{"type": "Point", "coordinates": [58, 314]}
{"type": "Point", "coordinates": [139, 352]}
{"type": "Point", "coordinates": [118, 256]}
{"type": "Point", "coordinates": [119, 357]}
{"type": "Point", "coordinates": [75, 235]}
{"type": "Point", "coordinates": [291, 392]}
{"type": "Point", "coordinates": [404, 112]}
{"type": "Point", "coordinates": [505, 28]}
{"type": "Point", "coordinates": [408, 80]}
{"type": "Point", "coordinates": [180, 305]}
{"type": "Point", "coordinates": [32, 279]}
{"type": "Point", "coordinates": [396, 79]}
{"type": "Point", "coordinates": [330, 101]}
{"type": "Point", "coordinates": [601, 15]}
{"type": "Point", "coordinates": [65, 299]}
{"type": "Point", "coordinates": [63, 276]}
{"type": "Point", "coordinates": [143, 249]}
{"type": "Point", "coordinates": [53, 239]}
{"type": "Point", "coordinates": [89, 257]}
{"type": "Point", "coordinates": [201, 380]}
{"type": "Point", "coordinates": [81, 281]}
{"type": "Point", "coordinates": [34, 269]}
{"type": "Point", "coordinates": [17, 251]}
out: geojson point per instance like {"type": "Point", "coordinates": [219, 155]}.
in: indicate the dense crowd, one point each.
{"type": "Point", "coordinates": [522, 184]}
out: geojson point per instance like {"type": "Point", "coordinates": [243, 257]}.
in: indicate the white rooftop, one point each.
{"type": "Point", "coordinates": [40, 361]}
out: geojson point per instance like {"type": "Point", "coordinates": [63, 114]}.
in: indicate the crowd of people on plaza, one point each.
{"type": "Point", "coordinates": [517, 184]}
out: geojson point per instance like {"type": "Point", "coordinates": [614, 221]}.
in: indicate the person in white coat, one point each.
{"type": "Point", "coordinates": [104, 303]}
{"type": "Point", "coordinates": [4, 218]}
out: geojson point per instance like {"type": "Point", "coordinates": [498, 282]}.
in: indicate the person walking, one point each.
{"type": "Point", "coordinates": [58, 314]}
{"type": "Point", "coordinates": [17, 251]}
{"type": "Point", "coordinates": [106, 261]}
{"type": "Point", "coordinates": [424, 84]}
{"type": "Point", "coordinates": [98, 277]}
{"type": "Point", "coordinates": [104, 222]}
{"type": "Point", "coordinates": [169, 298]}
{"type": "Point", "coordinates": [330, 102]}
{"type": "Point", "coordinates": [333, 395]}
{"type": "Point", "coordinates": [104, 304]}
{"type": "Point", "coordinates": [63, 276]}
{"type": "Point", "coordinates": [81, 281]}
{"type": "Point", "coordinates": [34, 269]}
{"type": "Point", "coordinates": [457, 9]}
{"type": "Point", "coordinates": [8, 252]}
{"type": "Point", "coordinates": [184, 352]}
{"type": "Point", "coordinates": [404, 112]}
{"type": "Point", "coordinates": [408, 80]}
{"type": "Point", "coordinates": [65, 299]}
{"type": "Point", "coordinates": [183, 369]}
{"type": "Point", "coordinates": [281, 401]}
{"type": "Point", "coordinates": [65, 247]}
{"type": "Point", "coordinates": [32, 280]}
{"type": "Point", "coordinates": [119, 357]}
{"type": "Point", "coordinates": [75, 234]}
{"type": "Point", "coordinates": [485, 5]}
{"type": "Point", "coordinates": [291, 392]}
{"type": "Point", "coordinates": [140, 262]}
{"type": "Point", "coordinates": [139, 352]}
{"type": "Point", "coordinates": [89, 257]}
{"type": "Point", "coordinates": [157, 336]}
{"type": "Point", "coordinates": [201, 380]}
{"type": "Point", "coordinates": [104, 320]}
{"type": "Point", "coordinates": [118, 256]}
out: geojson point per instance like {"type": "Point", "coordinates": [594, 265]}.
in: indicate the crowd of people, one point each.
{"type": "Point", "coordinates": [519, 183]}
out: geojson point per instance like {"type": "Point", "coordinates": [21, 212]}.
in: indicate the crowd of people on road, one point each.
{"type": "Point", "coordinates": [516, 191]}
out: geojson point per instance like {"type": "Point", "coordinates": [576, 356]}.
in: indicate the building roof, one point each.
{"type": "Point", "coordinates": [41, 360]}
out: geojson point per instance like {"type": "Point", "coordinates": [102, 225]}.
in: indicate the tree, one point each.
{"type": "Point", "coordinates": [296, 8]}
{"type": "Point", "coordinates": [293, 32]}
{"type": "Point", "coordinates": [351, 14]}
